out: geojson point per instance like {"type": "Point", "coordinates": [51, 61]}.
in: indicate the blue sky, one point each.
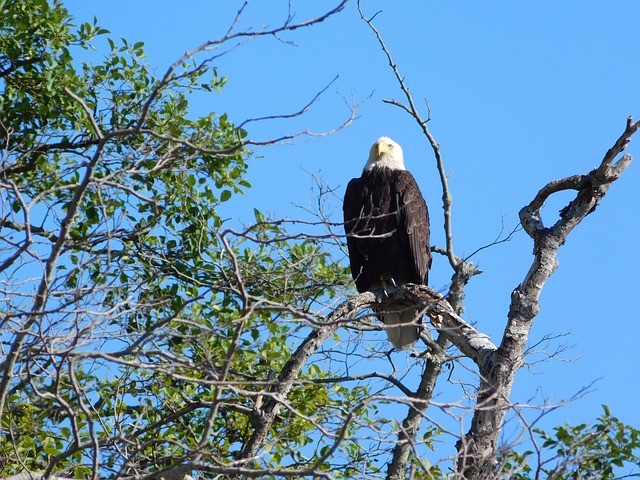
{"type": "Point", "coordinates": [521, 93]}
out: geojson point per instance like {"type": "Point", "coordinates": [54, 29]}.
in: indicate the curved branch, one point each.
{"type": "Point", "coordinates": [170, 76]}
{"type": "Point", "coordinates": [476, 450]}
{"type": "Point", "coordinates": [87, 110]}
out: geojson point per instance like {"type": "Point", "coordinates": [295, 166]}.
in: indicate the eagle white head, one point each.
{"type": "Point", "coordinates": [385, 153]}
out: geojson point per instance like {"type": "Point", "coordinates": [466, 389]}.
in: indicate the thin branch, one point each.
{"type": "Point", "coordinates": [353, 378]}
{"type": "Point", "coordinates": [300, 112]}
{"type": "Point", "coordinates": [87, 110]}
{"type": "Point", "coordinates": [499, 239]}
{"type": "Point", "coordinates": [27, 228]}
{"type": "Point", "coordinates": [231, 35]}
{"type": "Point", "coordinates": [412, 110]}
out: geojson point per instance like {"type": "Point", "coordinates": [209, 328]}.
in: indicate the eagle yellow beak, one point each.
{"type": "Point", "coordinates": [383, 148]}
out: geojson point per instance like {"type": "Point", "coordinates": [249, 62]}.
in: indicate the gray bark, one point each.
{"type": "Point", "coordinates": [476, 449]}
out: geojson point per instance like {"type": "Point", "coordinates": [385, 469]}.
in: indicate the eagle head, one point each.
{"type": "Point", "coordinates": [385, 153]}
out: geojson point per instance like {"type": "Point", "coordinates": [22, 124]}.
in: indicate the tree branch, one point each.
{"type": "Point", "coordinates": [412, 110]}
{"type": "Point", "coordinates": [169, 75]}
{"type": "Point", "coordinates": [463, 272]}
{"type": "Point", "coordinates": [477, 448]}
{"type": "Point", "coordinates": [47, 277]}
{"type": "Point", "coordinates": [472, 343]}
{"type": "Point", "coordinates": [452, 328]}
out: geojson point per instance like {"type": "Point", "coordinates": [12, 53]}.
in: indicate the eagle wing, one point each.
{"type": "Point", "coordinates": [354, 200]}
{"type": "Point", "coordinates": [413, 219]}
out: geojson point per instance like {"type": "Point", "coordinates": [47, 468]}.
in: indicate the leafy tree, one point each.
{"type": "Point", "coordinates": [132, 340]}
{"type": "Point", "coordinates": [604, 450]}
{"type": "Point", "coordinates": [145, 337]}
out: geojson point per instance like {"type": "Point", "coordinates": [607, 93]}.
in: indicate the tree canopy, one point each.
{"type": "Point", "coordinates": [144, 336]}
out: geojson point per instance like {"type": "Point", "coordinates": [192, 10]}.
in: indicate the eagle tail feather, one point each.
{"type": "Point", "coordinates": [406, 334]}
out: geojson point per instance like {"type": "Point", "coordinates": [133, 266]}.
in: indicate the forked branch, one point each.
{"type": "Point", "coordinates": [477, 449]}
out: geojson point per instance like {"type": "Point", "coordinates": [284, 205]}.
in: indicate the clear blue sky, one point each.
{"type": "Point", "coordinates": [521, 93]}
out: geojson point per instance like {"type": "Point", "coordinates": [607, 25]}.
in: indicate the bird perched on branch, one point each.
{"type": "Point", "coordinates": [387, 226]}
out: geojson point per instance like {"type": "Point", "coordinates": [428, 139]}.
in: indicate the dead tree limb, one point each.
{"type": "Point", "coordinates": [463, 271]}
{"type": "Point", "coordinates": [476, 450]}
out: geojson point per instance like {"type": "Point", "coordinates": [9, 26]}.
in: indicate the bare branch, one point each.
{"type": "Point", "coordinates": [302, 111]}
{"type": "Point", "coordinates": [476, 450]}
{"type": "Point", "coordinates": [169, 75]}
{"type": "Point", "coordinates": [412, 110]}
{"type": "Point", "coordinates": [499, 239]}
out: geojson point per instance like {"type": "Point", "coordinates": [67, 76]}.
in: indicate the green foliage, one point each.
{"type": "Point", "coordinates": [35, 66]}
{"type": "Point", "coordinates": [604, 450]}
{"type": "Point", "coordinates": [160, 329]}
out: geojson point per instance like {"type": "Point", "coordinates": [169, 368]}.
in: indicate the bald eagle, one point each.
{"type": "Point", "coordinates": [387, 227]}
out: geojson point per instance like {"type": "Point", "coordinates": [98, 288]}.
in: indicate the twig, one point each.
{"type": "Point", "coordinates": [87, 110]}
